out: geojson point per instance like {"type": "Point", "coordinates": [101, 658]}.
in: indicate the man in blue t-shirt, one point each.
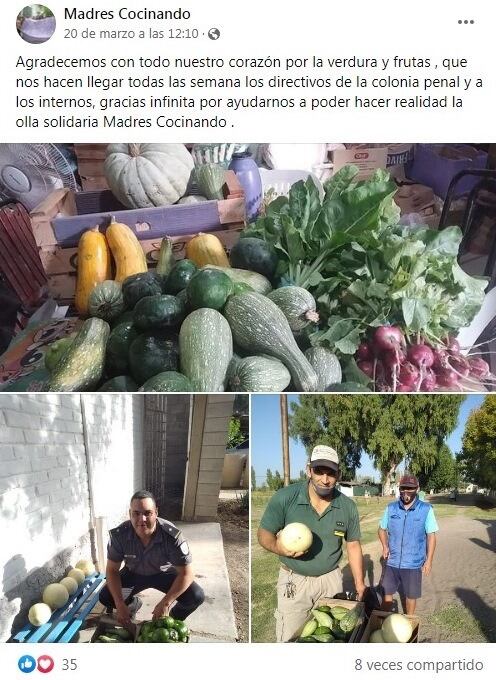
{"type": "Point", "coordinates": [407, 532]}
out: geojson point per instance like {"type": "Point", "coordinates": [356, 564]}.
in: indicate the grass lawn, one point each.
{"type": "Point", "coordinates": [265, 567]}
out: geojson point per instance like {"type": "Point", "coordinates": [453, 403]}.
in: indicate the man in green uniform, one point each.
{"type": "Point", "coordinates": [304, 578]}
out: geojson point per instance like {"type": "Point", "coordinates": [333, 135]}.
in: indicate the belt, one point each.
{"type": "Point", "coordinates": [292, 571]}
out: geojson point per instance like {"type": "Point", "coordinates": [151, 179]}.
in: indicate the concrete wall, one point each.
{"type": "Point", "coordinates": [44, 486]}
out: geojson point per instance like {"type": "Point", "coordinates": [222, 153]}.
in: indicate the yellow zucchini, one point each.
{"type": "Point", "coordinates": [94, 265]}
{"type": "Point", "coordinates": [127, 251]}
{"type": "Point", "coordinates": [205, 249]}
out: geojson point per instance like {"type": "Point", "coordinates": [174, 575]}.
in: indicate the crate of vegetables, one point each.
{"type": "Point", "coordinates": [333, 620]}
{"type": "Point", "coordinates": [152, 207]}
{"type": "Point", "coordinates": [388, 627]}
{"type": "Point", "coordinates": [108, 631]}
{"type": "Point", "coordinates": [165, 629]}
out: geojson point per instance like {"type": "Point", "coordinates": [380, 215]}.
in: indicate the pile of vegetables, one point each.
{"type": "Point", "coordinates": [395, 628]}
{"type": "Point", "coordinates": [165, 629]}
{"type": "Point", "coordinates": [56, 595]}
{"type": "Point", "coordinates": [330, 624]}
{"type": "Point", "coordinates": [387, 295]}
{"type": "Point", "coordinates": [114, 634]}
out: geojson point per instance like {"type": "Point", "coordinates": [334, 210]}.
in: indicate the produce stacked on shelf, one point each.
{"type": "Point", "coordinates": [56, 595]}
{"type": "Point", "coordinates": [312, 291]}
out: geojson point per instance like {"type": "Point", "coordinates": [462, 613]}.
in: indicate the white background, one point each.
{"type": "Point", "coordinates": [276, 28]}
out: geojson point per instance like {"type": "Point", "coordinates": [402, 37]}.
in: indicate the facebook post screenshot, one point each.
{"type": "Point", "coordinates": [247, 344]}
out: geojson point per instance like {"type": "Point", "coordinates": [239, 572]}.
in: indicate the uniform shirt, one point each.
{"type": "Point", "coordinates": [166, 550]}
{"type": "Point", "coordinates": [407, 532]}
{"type": "Point", "coordinates": [339, 521]}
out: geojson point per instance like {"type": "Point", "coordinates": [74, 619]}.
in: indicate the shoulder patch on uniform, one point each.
{"type": "Point", "coordinates": [184, 547]}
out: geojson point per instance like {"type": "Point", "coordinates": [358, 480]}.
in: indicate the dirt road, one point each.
{"type": "Point", "coordinates": [458, 603]}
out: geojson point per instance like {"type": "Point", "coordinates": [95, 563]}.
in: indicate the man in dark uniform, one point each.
{"type": "Point", "coordinates": [155, 555]}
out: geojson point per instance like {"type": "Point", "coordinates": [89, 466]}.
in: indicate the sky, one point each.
{"type": "Point", "coordinates": [266, 446]}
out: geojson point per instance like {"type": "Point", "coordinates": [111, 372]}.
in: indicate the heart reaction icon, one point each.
{"type": "Point", "coordinates": [45, 664]}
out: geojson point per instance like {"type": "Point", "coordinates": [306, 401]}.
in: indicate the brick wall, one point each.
{"type": "Point", "coordinates": [44, 489]}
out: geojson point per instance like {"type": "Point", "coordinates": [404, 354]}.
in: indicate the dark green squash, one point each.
{"type": "Point", "coordinates": [255, 255]}
{"type": "Point", "coordinates": [158, 311]}
{"type": "Point", "coordinates": [121, 383]}
{"type": "Point", "coordinates": [140, 285]}
{"type": "Point", "coordinates": [169, 381]}
{"type": "Point", "coordinates": [152, 353]}
{"type": "Point", "coordinates": [116, 355]}
{"type": "Point", "coordinates": [106, 300]}
{"type": "Point", "coordinates": [128, 315]}
{"type": "Point", "coordinates": [179, 276]}
{"type": "Point", "coordinates": [209, 288]}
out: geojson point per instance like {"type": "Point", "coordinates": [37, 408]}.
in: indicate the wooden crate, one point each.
{"type": "Point", "coordinates": [348, 604]}
{"type": "Point", "coordinates": [60, 220]}
{"type": "Point", "coordinates": [90, 159]}
{"type": "Point", "coordinates": [376, 620]}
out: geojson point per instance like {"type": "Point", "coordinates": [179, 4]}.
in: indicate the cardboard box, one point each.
{"type": "Point", "coordinates": [367, 160]}
{"type": "Point", "coordinates": [348, 604]}
{"type": "Point", "coordinates": [376, 620]}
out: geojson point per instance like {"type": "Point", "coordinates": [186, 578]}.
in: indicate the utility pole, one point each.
{"type": "Point", "coordinates": [285, 438]}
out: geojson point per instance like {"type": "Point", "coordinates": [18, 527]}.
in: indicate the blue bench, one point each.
{"type": "Point", "coordinates": [66, 621]}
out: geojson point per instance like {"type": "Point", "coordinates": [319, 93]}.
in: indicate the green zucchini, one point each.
{"type": "Point", "coordinates": [350, 620]}
{"type": "Point", "coordinates": [158, 311]}
{"type": "Point", "coordinates": [259, 374]}
{"type": "Point", "coordinates": [322, 618]}
{"type": "Point", "coordinates": [323, 638]}
{"type": "Point", "coordinates": [257, 324]}
{"type": "Point", "coordinates": [338, 612]}
{"type": "Point", "coordinates": [169, 381]}
{"type": "Point", "coordinates": [205, 348]}
{"type": "Point", "coordinates": [81, 366]}
{"type": "Point", "coordinates": [326, 365]}
{"type": "Point", "coordinates": [297, 304]}
{"type": "Point", "coordinates": [257, 282]}
{"type": "Point", "coordinates": [56, 350]}
{"type": "Point", "coordinates": [166, 259]}
{"type": "Point", "coordinates": [309, 628]}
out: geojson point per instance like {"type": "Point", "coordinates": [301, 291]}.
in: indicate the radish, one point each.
{"type": "Point", "coordinates": [366, 367]}
{"type": "Point", "coordinates": [404, 388]}
{"type": "Point", "coordinates": [447, 378]}
{"type": "Point", "coordinates": [408, 374]}
{"type": "Point", "coordinates": [420, 356]}
{"type": "Point", "coordinates": [453, 345]}
{"type": "Point", "coordinates": [429, 383]}
{"type": "Point", "coordinates": [364, 352]}
{"type": "Point", "coordinates": [478, 367]}
{"type": "Point", "coordinates": [440, 359]}
{"type": "Point", "coordinates": [460, 365]}
{"type": "Point", "coordinates": [388, 338]}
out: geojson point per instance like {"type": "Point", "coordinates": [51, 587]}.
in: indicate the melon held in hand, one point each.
{"type": "Point", "coordinates": [296, 537]}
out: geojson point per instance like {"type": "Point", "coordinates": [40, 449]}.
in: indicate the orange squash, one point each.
{"type": "Point", "coordinates": [94, 265]}
{"type": "Point", "coordinates": [205, 249]}
{"type": "Point", "coordinates": [127, 251]}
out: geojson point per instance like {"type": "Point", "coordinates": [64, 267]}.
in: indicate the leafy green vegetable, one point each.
{"type": "Point", "coordinates": [363, 267]}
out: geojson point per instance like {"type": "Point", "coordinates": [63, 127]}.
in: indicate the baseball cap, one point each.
{"type": "Point", "coordinates": [409, 481]}
{"type": "Point", "coordinates": [324, 456]}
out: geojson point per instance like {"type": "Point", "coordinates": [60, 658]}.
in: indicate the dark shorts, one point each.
{"type": "Point", "coordinates": [406, 581]}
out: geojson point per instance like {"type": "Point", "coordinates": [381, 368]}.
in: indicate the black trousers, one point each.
{"type": "Point", "coordinates": [132, 584]}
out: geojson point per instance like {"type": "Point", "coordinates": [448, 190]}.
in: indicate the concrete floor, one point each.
{"type": "Point", "coordinates": [214, 620]}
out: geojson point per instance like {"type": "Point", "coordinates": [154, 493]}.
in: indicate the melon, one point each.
{"type": "Point", "coordinates": [296, 537]}
{"type": "Point", "coordinates": [39, 614]}
{"type": "Point", "coordinates": [376, 636]}
{"type": "Point", "coordinates": [70, 583]}
{"type": "Point", "coordinates": [77, 575]}
{"type": "Point", "coordinates": [55, 595]}
{"type": "Point", "coordinates": [86, 566]}
{"type": "Point", "coordinates": [397, 628]}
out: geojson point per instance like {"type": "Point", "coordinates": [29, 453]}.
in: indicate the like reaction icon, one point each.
{"type": "Point", "coordinates": [45, 664]}
{"type": "Point", "coordinates": [26, 664]}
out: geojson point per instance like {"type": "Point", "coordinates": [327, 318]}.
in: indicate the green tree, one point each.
{"type": "Point", "coordinates": [478, 454]}
{"type": "Point", "coordinates": [443, 474]}
{"type": "Point", "coordinates": [274, 480]}
{"type": "Point", "coordinates": [253, 479]}
{"type": "Point", "coordinates": [234, 436]}
{"type": "Point", "coordinates": [389, 427]}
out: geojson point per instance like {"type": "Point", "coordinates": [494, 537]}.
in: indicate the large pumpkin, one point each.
{"type": "Point", "coordinates": [148, 175]}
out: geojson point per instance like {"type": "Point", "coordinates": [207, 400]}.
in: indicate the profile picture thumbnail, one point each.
{"type": "Point", "coordinates": [35, 23]}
